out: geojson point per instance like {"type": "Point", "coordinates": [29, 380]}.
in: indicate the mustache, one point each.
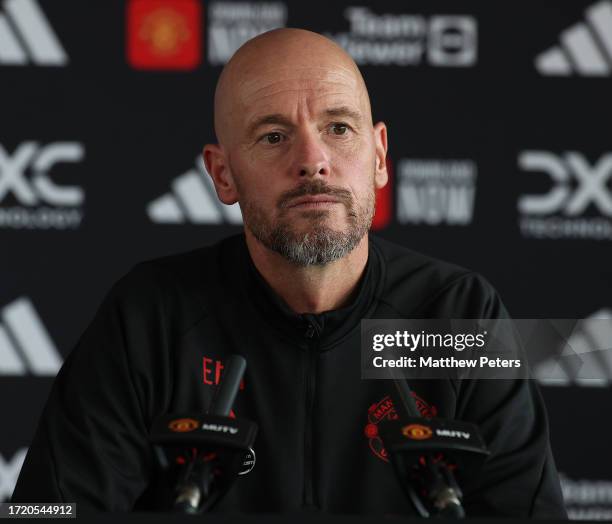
{"type": "Point", "coordinates": [316, 187]}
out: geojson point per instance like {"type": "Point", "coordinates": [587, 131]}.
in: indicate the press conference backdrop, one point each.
{"type": "Point", "coordinates": [500, 156]}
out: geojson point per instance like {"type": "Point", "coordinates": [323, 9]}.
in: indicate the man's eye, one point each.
{"type": "Point", "coordinates": [339, 129]}
{"type": "Point", "coordinates": [272, 138]}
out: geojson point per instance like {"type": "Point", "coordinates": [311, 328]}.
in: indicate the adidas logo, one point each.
{"type": "Point", "coordinates": [25, 34]}
{"type": "Point", "coordinates": [586, 48]}
{"type": "Point", "coordinates": [193, 199]}
{"type": "Point", "coordinates": [587, 356]}
{"type": "Point", "coordinates": [25, 345]}
{"type": "Point", "coordinates": [9, 472]}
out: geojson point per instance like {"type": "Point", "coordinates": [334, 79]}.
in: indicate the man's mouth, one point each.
{"type": "Point", "coordinates": [313, 201]}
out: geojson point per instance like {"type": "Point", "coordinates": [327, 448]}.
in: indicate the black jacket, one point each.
{"type": "Point", "coordinates": [155, 346]}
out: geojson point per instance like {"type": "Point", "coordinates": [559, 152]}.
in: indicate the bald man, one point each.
{"type": "Point", "coordinates": [298, 150]}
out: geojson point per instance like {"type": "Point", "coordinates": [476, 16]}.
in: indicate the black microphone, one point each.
{"type": "Point", "coordinates": [206, 452]}
{"type": "Point", "coordinates": [228, 386]}
{"type": "Point", "coordinates": [427, 453]}
{"type": "Point", "coordinates": [404, 394]}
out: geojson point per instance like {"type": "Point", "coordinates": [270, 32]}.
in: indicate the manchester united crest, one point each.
{"type": "Point", "coordinates": [385, 410]}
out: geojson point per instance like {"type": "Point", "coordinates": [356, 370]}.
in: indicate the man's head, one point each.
{"type": "Point", "coordinates": [297, 148]}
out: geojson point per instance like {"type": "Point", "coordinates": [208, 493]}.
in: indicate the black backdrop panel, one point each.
{"type": "Point", "coordinates": [491, 109]}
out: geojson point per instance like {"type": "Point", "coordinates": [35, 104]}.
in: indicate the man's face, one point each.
{"type": "Point", "coordinates": [302, 156]}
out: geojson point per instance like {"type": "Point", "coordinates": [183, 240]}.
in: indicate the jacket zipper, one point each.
{"type": "Point", "coordinates": [311, 381]}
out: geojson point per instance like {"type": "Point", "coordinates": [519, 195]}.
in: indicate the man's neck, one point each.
{"type": "Point", "coordinates": [311, 289]}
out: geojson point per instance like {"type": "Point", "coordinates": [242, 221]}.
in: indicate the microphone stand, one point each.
{"type": "Point", "coordinates": [205, 452]}
{"type": "Point", "coordinates": [425, 473]}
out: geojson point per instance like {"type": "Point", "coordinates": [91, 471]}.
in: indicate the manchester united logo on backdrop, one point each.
{"type": "Point", "coordinates": [385, 410]}
{"type": "Point", "coordinates": [164, 34]}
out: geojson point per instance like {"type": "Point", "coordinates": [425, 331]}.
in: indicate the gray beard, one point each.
{"type": "Point", "coordinates": [318, 246]}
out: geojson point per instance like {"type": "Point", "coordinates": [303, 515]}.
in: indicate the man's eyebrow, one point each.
{"type": "Point", "coordinates": [279, 119]}
{"type": "Point", "coordinates": [276, 118]}
{"type": "Point", "coordinates": [343, 112]}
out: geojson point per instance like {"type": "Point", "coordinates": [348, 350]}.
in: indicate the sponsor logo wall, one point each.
{"type": "Point", "coordinates": [231, 24]}
{"type": "Point", "coordinates": [26, 37]}
{"type": "Point", "coordinates": [25, 346]}
{"type": "Point", "coordinates": [585, 47]}
{"type": "Point", "coordinates": [579, 202]}
{"type": "Point", "coordinates": [376, 38]}
{"type": "Point", "coordinates": [436, 191]}
{"type": "Point", "coordinates": [27, 180]}
{"type": "Point", "coordinates": [500, 160]}
{"type": "Point", "coordinates": [9, 471]}
{"type": "Point", "coordinates": [192, 198]}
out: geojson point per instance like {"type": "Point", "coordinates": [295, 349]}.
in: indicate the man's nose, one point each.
{"type": "Point", "coordinates": [311, 155]}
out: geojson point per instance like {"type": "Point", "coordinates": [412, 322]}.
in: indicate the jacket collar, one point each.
{"type": "Point", "coordinates": [324, 329]}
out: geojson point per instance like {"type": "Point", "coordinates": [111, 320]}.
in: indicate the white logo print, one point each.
{"type": "Point", "coordinates": [193, 199]}
{"type": "Point", "coordinates": [25, 34]}
{"type": "Point", "coordinates": [409, 40]}
{"type": "Point", "coordinates": [591, 180]}
{"type": "Point", "coordinates": [592, 339]}
{"type": "Point", "coordinates": [220, 428]}
{"type": "Point", "coordinates": [587, 499]}
{"type": "Point", "coordinates": [12, 170]}
{"type": "Point", "coordinates": [231, 24]}
{"type": "Point", "coordinates": [41, 189]}
{"type": "Point", "coordinates": [586, 48]}
{"type": "Point", "coordinates": [436, 191]}
{"type": "Point", "coordinates": [25, 345]}
{"type": "Point", "coordinates": [577, 186]}
{"type": "Point", "coordinates": [9, 471]}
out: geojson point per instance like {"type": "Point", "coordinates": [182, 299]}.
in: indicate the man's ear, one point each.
{"type": "Point", "coordinates": [380, 140]}
{"type": "Point", "coordinates": [218, 169]}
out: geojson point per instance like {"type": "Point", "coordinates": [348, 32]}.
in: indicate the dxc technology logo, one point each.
{"type": "Point", "coordinates": [25, 345]}
{"type": "Point", "coordinates": [26, 36]}
{"type": "Point", "coordinates": [193, 199]}
{"type": "Point", "coordinates": [35, 194]}
{"type": "Point", "coordinates": [579, 202]}
{"type": "Point", "coordinates": [586, 48]}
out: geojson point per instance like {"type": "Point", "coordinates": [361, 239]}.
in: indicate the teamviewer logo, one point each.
{"type": "Point", "coordinates": [26, 36]}
{"type": "Point", "coordinates": [25, 344]}
{"type": "Point", "coordinates": [586, 48]}
{"type": "Point", "coordinates": [193, 199]}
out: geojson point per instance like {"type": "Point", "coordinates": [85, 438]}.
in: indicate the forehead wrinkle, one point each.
{"type": "Point", "coordinates": [253, 93]}
{"type": "Point", "coordinates": [322, 71]}
{"type": "Point", "coordinates": [329, 106]}
{"type": "Point", "coordinates": [250, 98]}
{"type": "Point", "coordinates": [263, 79]}
{"type": "Point", "coordinates": [348, 74]}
